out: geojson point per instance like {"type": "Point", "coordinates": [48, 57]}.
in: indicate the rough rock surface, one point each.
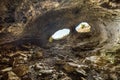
{"type": "Point", "coordinates": [25, 29]}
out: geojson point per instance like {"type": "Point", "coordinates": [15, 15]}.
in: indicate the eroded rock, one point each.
{"type": "Point", "coordinates": [21, 70]}
{"type": "Point", "coordinates": [10, 76]}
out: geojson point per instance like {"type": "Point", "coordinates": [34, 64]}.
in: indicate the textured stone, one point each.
{"type": "Point", "coordinates": [46, 71]}
{"type": "Point", "coordinates": [7, 69]}
{"type": "Point", "coordinates": [69, 68]}
{"type": "Point", "coordinates": [21, 70]}
{"type": "Point", "coordinates": [10, 76]}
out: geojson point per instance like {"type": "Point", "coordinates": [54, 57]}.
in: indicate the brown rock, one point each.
{"type": "Point", "coordinates": [13, 76]}
{"type": "Point", "coordinates": [21, 70]}
{"type": "Point", "coordinates": [73, 67]}
{"type": "Point", "coordinates": [38, 66]}
{"type": "Point", "coordinates": [59, 61]}
{"type": "Point", "coordinates": [6, 69]}
{"type": "Point", "coordinates": [69, 68]}
{"type": "Point", "coordinates": [27, 77]}
{"type": "Point", "coordinates": [66, 78]}
{"type": "Point", "coordinates": [10, 76]}
{"type": "Point", "coordinates": [82, 78]}
{"type": "Point", "coordinates": [39, 54]}
{"type": "Point", "coordinates": [81, 71]}
{"type": "Point", "coordinates": [5, 60]}
{"type": "Point", "coordinates": [46, 71]}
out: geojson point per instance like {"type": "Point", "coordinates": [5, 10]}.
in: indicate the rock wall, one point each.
{"type": "Point", "coordinates": [27, 25]}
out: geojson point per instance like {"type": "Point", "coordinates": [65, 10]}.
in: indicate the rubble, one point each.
{"type": "Point", "coordinates": [21, 70]}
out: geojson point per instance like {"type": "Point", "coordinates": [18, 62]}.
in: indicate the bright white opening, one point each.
{"type": "Point", "coordinates": [61, 34]}
{"type": "Point", "coordinates": [83, 27]}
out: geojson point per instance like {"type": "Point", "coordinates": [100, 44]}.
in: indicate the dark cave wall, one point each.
{"type": "Point", "coordinates": [26, 19]}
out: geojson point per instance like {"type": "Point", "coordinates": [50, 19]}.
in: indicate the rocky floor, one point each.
{"type": "Point", "coordinates": [27, 54]}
